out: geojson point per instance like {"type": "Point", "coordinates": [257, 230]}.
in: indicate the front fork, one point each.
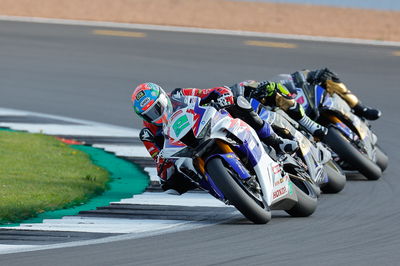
{"type": "Point", "coordinates": [199, 161]}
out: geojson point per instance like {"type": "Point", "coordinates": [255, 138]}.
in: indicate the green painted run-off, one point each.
{"type": "Point", "coordinates": [127, 179]}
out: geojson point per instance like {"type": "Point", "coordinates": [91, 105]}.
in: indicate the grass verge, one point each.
{"type": "Point", "coordinates": [38, 173]}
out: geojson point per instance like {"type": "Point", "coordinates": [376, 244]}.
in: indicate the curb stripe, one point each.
{"type": "Point", "coordinates": [125, 150]}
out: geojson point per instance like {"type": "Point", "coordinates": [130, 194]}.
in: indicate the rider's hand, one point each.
{"type": "Point", "coordinates": [225, 99]}
{"type": "Point", "coordinates": [221, 97]}
{"type": "Point", "coordinates": [165, 168]}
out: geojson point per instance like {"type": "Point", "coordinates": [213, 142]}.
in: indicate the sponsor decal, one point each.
{"type": "Point", "coordinates": [175, 115]}
{"type": "Point", "coordinates": [280, 181]}
{"type": "Point", "coordinates": [276, 169]}
{"type": "Point", "coordinates": [279, 192]}
{"type": "Point", "coordinates": [180, 124]}
{"type": "Point", "coordinates": [144, 102]}
{"type": "Point", "coordinates": [146, 135]}
{"type": "Point", "coordinates": [290, 188]}
{"type": "Point", "coordinates": [139, 95]}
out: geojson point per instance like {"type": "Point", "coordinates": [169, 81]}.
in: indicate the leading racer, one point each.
{"type": "Point", "coordinates": [152, 104]}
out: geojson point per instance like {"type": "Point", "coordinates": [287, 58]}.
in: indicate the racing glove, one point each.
{"type": "Point", "coordinates": [221, 97]}
{"type": "Point", "coordinates": [165, 169]}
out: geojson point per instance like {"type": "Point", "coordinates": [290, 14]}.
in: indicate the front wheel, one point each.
{"type": "Point", "coordinates": [251, 208]}
{"type": "Point", "coordinates": [347, 152]}
{"type": "Point", "coordinates": [336, 178]}
{"type": "Point", "coordinates": [306, 200]}
{"type": "Point", "coordinates": [306, 193]}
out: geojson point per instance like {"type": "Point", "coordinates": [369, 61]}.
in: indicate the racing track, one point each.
{"type": "Point", "coordinates": [67, 70]}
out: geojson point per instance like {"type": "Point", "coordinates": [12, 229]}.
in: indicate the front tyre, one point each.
{"type": "Point", "coordinates": [237, 196]}
{"type": "Point", "coordinates": [336, 178]}
{"type": "Point", "coordinates": [306, 200]}
{"type": "Point", "coordinates": [347, 152]}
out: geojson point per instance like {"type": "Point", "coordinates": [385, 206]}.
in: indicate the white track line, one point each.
{"type": "Point", "coordinates": [123, 225]}
{"type": "Point", "coordinates": [152, 171]}
{"type": "Point", "coordinates": [187, 199]}
{"type": "Point", "coordinates": [199, 30]}
{"type": "Point", "coordinates": [103, 225]}
{"type": "Point", "coordinates": [134, 133]}
{"type": "Point", "coordinates": [75, 130]}
{"type": "Point", "coordinates": [125, 150]}
{"type": "Point", "coordinates": [4, 249]}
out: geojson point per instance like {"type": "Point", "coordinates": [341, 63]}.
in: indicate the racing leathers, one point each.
{"type": "Point", "coordinates": [153, 138]}
{"type": "Point", "coordinates": [275, 94]}
{"type": "Point", "coordinates": [332, 84]}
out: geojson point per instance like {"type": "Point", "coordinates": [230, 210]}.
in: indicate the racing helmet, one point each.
{"type": "Point", "coordinates": [151, 103]}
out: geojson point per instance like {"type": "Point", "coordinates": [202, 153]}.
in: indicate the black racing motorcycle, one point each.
{"type": "Point", "coordinates": [350, 137]}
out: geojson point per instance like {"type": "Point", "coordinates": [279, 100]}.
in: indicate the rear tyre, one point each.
{"type": "Point", "coordinates": [336, 178]}
{"type": "Point", "coordinates": [382, 160]}
{"type": "Point", "coordinates": [306, 200]}
{"type": "Point", "coordinates": [248, 206]}
{"type": "Point", "coordinates": [347, 152]}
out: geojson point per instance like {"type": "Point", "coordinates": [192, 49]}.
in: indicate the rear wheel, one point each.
{"type": "Point", "coordinates": [336, 178]}
{"type": "Point", "coordinates": [347, 152]}
{"type": "Point", "coordinates": [250, 207]}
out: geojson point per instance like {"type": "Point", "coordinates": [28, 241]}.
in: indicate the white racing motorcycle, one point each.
{"type": "Point", "coordinates": [315, 155]}
{"type": "Point", "coordinates": [225, 157]}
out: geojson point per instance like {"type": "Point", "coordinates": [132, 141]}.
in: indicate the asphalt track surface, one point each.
{"type": "Point", "coordinates": [67, 70]}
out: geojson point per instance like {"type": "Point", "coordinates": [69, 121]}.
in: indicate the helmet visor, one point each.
{"type": "Point", "coordinates": [158, 110]}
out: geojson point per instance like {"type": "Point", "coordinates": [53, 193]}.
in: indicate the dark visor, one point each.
{"type": "Point", "coordinates": [154, 112]}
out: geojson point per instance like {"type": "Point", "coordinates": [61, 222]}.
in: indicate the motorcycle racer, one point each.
{"type": "Point", "coordinates": [152, 104]}
{"type": "Point", "coordinates": [332, 84]}
{"type": "Point", "coordinates": [276, 94]}
{"type": "Point", "coordinates": [271, 93]}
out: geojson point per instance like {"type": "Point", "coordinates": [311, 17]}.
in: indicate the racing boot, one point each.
{"type": "Point", "coordinates": [366, 112]}
{"type": "Point", "coordinates": [318, 131]}
{"type": "Point", "coordinates": [297, 113]}
{"type": "Point", "coordinates": [280, 145]}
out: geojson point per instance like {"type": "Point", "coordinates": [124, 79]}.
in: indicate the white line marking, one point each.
{"type": "Point", "coordinates": [125, 150]}
{"type": "Point", "coordinates": [103, 225]}
{"type": "Point", "coordinates": [4, 249]}
{"type": "Point", "coordinates": [129, 131]}
{"type": "Point", "coordinates": [75, 130]}
{"type": "Point", "coordinates": [152, 171]}
{"type": "Point", "coordinates": [199, 30]}
{"type": "Point", "coordinates": [182, 227]}
{"type": "Point", "coordinates": [187, 199]}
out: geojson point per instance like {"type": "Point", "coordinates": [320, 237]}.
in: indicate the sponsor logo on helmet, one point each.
{"type": "Point", "coordinates": [144, 102]}
{"type": "Point", "coordinates": [140, 95]}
